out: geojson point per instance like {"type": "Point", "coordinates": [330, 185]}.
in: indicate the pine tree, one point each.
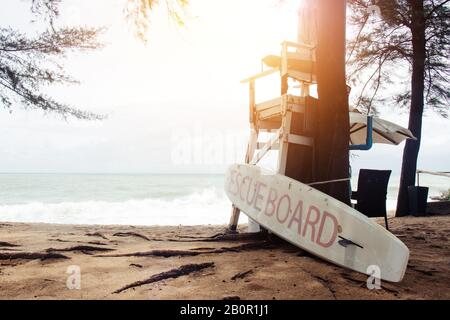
{"type": "Point", "coordinates": [30, 62]}
{"type": "Point", "coordinates": [410, 33]}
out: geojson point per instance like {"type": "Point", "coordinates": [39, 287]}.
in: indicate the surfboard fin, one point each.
{"type": "Point", "coordinates": [346, 242]}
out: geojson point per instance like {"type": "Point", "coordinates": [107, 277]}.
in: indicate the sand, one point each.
{"type": "Point", "coordinates": [36, 261]}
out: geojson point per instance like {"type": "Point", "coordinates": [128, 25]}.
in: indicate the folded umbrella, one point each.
{"type": "Point", "coordinates": [383, 131]}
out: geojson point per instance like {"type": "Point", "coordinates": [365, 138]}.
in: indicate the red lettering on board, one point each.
{"type": "Point", "coordinates": [242, 185]}
{"type": "Point", "coordinates": [232, 182]}
{"type": "Point", "coordinates": [271, 200]}
{"type": "Point", "coordinates": [311, 222]}
{"type": "Point", "coordinates": [322, 225]}
{"type": "Point", "coordinates": [249, 201]}
{"type": "Point", "coordinates": [238, 185]}
{"type": "Point", "coordinates": [298, 210]}
{"type": "Point", "coordinates": [258, 195]}
{"type": "Point", "coordinates": [287, 211]}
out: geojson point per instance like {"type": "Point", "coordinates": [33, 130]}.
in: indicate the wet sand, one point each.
{"type": "Point", "coordinates": [36, 261]}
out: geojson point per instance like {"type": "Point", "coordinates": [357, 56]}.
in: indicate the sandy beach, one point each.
{"type": "Point", "coordinates": [126, 262]}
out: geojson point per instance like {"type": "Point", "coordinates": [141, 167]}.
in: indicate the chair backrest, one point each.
{"type": "Point", "coordinates": [372, 191]}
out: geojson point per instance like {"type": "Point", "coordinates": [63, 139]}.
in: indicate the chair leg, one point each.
{"type": "Point", "coordinates": [234, 220]}
{"type": "Point", "coordinates": [386, 222]}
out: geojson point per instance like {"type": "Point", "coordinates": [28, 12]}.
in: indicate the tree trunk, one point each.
{"type": "Point", "coordinates": [332, 133]}
{"type": "Point", "coordinates": [411, 151]}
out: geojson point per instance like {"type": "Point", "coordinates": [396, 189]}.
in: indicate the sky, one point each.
{"type": "Point", "coordinates": [175, 105]}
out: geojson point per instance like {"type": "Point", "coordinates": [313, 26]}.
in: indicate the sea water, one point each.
{"type": "Point", "coordinates": [133, 199]}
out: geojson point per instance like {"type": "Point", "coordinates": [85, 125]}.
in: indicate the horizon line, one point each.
{"type": "Point", "coordinates": [115, 173]}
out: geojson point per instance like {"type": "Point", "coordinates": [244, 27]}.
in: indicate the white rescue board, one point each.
{"type": "Point", "coordinates": [316, 222]}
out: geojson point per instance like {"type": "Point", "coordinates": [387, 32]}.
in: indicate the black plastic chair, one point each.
{"type": "Point", "coordinates": [371, 195]}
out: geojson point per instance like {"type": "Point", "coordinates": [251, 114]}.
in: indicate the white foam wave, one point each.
{"type": "Point", "coordinates": [209, 206]}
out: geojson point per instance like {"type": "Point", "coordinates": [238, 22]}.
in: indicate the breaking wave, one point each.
{"type": "Point", "coordinates": [209, 206]}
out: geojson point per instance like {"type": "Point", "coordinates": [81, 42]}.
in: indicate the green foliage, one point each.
{"type": "Point", "coordinates": [138, 13]}
{"type": "Point", "coordinates": [28, 63]}
{"type": "Point", "coordinates": [383, 50]}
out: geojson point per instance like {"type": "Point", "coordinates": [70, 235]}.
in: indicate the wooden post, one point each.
{"type": "Point", "coordinates": [251, 101]}
{"type": "Point", "coordinates": [332, 134]}
{"type": "Point", "coordinates": [283, 69]}
{"type": "Point", "coordinates": [251, 148]}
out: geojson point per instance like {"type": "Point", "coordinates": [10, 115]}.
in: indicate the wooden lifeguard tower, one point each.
{"type": "Point", "coordinates": [311, 137]}
{"type": "Point", "coordinates": [289, 118]}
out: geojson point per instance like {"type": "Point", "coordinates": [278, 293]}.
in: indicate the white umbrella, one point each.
{"type": "Point", "coordinates": [383, 131]}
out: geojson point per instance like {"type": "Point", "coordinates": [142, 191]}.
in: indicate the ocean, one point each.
{"type": "Point", "coordinates": [133, 199]}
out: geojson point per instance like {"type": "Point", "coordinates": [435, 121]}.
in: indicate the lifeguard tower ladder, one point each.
{"type": "Point", "coordinates": [290, 118]}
